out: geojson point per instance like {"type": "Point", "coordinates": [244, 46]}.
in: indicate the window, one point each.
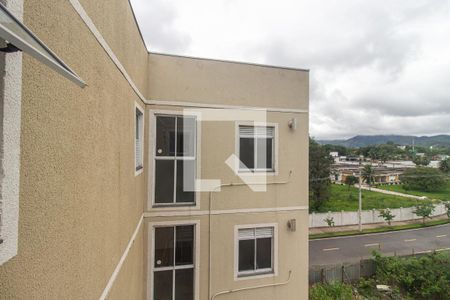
{"type": "Point", "coordinates": [256, 148]}
{"type": "Point", "coordinates": [175, 160]}
{"type": "Point", "coordinates": [255, 251]}
{"type": "Point", "coordinates": [173, 266]}
{"type": "Point", "coordinates": [139, 139]}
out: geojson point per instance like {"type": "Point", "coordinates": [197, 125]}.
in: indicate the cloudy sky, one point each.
{"type": "Point", "coordinates": [377, 66]}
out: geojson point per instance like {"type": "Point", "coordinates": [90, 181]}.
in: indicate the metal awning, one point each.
{"type": "Point", "coordinates": [19, 36]}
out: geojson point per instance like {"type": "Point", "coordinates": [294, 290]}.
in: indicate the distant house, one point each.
{"type": "Point", "coordinates": [402, 147]}
{"type": "Point", "coordinates": [382, 175]}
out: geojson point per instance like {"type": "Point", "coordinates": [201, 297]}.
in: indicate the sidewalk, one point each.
{"type": "Point", "coordinates": [369, 226]}
{"type": "Point", "coordinates": [373, 189]}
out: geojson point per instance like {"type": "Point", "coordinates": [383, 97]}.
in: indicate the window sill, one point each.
{"type": "Point", "coordinates": [186, 204]}
{"type": "Point", "coordinates": [258, 172]}
{"type": "Point", "coordinates": [255, 275]}
{"type": "Point", "coordinates": [138, 170]}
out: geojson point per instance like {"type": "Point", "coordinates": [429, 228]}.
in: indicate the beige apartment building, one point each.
{"type": "Point", "coordinates": [134, 175]}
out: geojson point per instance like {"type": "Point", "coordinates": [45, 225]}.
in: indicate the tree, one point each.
{"type": "Point", "coordinates": [424, 210]}
{"type": "Point", "coordinates": [423, 179]}
{"type": "Point", "coordinates": [421, 161]}
{"type": "Point", "coordinates": [319, 175]}
{"type": "Point", "coordinates": [444, 166]}
{"type": "Point", "coordinates": [368, 173]}
{"type": "Point", "coordinates": [350, 181]}
{"type": "Point", "coordinates": [387, 215]}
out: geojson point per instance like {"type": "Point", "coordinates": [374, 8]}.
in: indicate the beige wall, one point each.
{"type": "Point", "coordinates": [292, 255]}
{"type": "Point", "coordinates": [79, 199]}
{"type": "Point", "coordinates": [177, 78]}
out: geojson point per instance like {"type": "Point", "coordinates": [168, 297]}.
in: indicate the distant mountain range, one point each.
{"type": "Point", "coordinates": [367, 140]}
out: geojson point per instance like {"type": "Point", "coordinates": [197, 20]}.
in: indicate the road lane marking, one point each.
{"type": "Point", "coordinates": [442, 235]}
{"type": "Point", "coordinates": [372, 245]}
{"type": "Point", "coordinates": [410, 240]}
{"type": "Point", "coordinates": [330, 249]}
{"type": "Point", "coordinates": [426, 251]}
{"type": "Point", "coordinates": [443, 249]}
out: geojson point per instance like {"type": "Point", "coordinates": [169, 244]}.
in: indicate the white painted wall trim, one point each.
{"type": "Point", "coordinates": [10, 163]}
{"type": "Point", "coordinates": [221, 106]}
{"type": "Point", "coordinates": [193, 212]}
{"type": "Point", "coordinates": [90, 24]}
{"type": "Point", "coordinates": [141, 136]}
{"type": "Point", "coordinates": [151, 247]}
{"type": "Point", "coordinates": [121, 261]}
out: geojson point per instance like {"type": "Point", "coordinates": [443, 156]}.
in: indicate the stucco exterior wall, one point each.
{"type": "Point", "coordinates": [116, 22]}
{"type": "Point", "coordinates": [292, 255]}
{"type": "Point", "coordinates": [177, 78]}
{"type": "Point", "coordinates": [80, 201]}
{"type": "Point", "coordinates": [199, 83]}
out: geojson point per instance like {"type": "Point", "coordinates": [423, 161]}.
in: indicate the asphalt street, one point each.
{"type": "Point", "coordinates": [353, 248]}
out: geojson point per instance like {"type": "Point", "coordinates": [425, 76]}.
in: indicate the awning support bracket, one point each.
{"type": "Point", "coordinates": [10, 48]}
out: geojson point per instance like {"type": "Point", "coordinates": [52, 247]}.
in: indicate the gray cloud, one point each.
{"type": "Point", "coordinates": [157, 21]}
{"type": "Point", "coordinates": [377, 67]}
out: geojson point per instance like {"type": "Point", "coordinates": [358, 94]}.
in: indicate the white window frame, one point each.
{"type": "Point", "coordinates": [274, 169]}
{"type": "Point", "coordinates": [153, 113]}
{"type": "Point", "coordinates": [256, 275]}
{"type": "Point", "coordinates": [151, 251]}
{"type": "Point", "coordinates": [10, 163]}
{"type": "Point", "coordinates": [139, 168]}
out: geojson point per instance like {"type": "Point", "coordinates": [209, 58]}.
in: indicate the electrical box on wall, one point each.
{"type": "Point", "coordinates": [292, 225]}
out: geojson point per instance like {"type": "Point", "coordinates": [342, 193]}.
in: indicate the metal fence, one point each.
{"type": "Point", "coordinates": [347, 272]}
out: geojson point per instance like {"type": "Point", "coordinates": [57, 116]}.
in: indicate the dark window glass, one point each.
{"type": "Point", "coordinates": [164, 181]}
{"type": "Point", "coordinates": [269, 154]}
{"type": "Point", "coordinates": [164, 246]}
{"type": "Point", "coordinates": [247, 152]}
{"type": "Point", "coordinates": [138, 120]}
{"type": "Point", "coordinates": [246, 255]}
{"type": "Point", "coordinates": [186, 136]}
{"type": "Point", "coordinates": [184, 284]}
{"type": "Point", "coordinates": [184, 253]}
{"type": "Point", "coordinates": [264, 253]}
{"type": "Point", "coordinates": [163, 285]}
{"type": "Point", "coordinates": [165, 136]}
{"type": "Point", "coordinates": [185, 181]}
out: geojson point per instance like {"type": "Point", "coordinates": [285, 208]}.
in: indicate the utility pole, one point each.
{"type": "Point", "coordinates": [359, 200]}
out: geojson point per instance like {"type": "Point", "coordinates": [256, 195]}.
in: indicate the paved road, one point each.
{"type": "Point", "coordinates": [353, 248]}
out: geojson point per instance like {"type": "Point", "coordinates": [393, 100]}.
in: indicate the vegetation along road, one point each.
{"type": "Point", "coordinates": [352, 248]}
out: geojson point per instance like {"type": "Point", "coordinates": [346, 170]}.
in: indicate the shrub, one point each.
{"type": "Point", "coordinates": [329, 221]}
{"type": "Point", "coordinates": [331, 291]}
{"type": "Point", "coordinates": [425, 277]}
{"type": "Point", "coordinates": [423, 179]}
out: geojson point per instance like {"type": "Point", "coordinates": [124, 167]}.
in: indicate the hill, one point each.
{"type": "Point", "coordinates": [367, 140]}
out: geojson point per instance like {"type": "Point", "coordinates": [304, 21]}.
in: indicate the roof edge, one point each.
{"type": "Point", "coordinates": [230, 61]}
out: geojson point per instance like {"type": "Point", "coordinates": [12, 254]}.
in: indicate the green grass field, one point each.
{"type": "Point", "coordinates": [343, 198]}
{"type": "Point", "coordinates": [442, 195]}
